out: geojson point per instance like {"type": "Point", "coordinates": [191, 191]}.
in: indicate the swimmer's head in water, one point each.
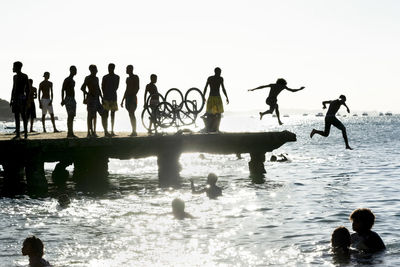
{"type": "Point", "coordinates": [281, 81]}
{"type": "Point", "coordinates": [212, 178]}
{"type": "Point", "coordinates": [273, 158]}
{"type": "Point", "coordinates": [178, 205]}
{"type": "Point", "coordinates": [341, 238]}
{"type": "Point", "coordinates": [217, 71]}
{"type": "Point", "coordinates": [63, 200]}
{"type": "Point", "coordinates": [343, 98]}
{"type": "Point", "coordinates": [32, 246]}
{"type": "Point", "coordinates": [363, 219]}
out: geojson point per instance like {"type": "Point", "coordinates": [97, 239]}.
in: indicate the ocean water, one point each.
{"type": "Point", "coordinates": [285, 221]}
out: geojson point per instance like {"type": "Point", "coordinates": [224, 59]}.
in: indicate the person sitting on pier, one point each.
{"type": "Point", "coordinates": [178, 210]}
{"type": "Point", "coordinates": [130, 96]}
{"type": "Point", "coordinates": [151, 90]}
{"type": "Point", "coordinates": [215, 107]}
{"type": "Point", "coordinates": [68, 99]}
{"type": "Point", "coordinates": [330, 119]}
{"type": "Point", "coordinates": [91, 98]}
{"type": "Point", "coordinates": [272, 99]}
{"type": "Point", "coordinates": [33, 248]}
{"type": "Point", "coordinates": [46, 100]}
{"type": "Point", "coordinates": [109, 85]}
{"type": "Point", "coordinates": [30, 105]}
{"type": "Point", "coordinates": [211, 189]}
{"type": "Point", "coordinates": [19, 95]}
{"type": "Point", "coordinates": [364, 239]}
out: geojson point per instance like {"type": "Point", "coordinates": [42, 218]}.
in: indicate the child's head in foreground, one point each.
{"type": "Point", "coordinates": [341, 238]}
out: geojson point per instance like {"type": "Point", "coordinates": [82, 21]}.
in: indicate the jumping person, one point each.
{"type": "Point", "coordinates": [30, 105]}
{"type": "Point", "coordinates": [151, 90]}
{"type": "Point", "coordinates": [109, 86]}
{"type": "Point", "coordinates": [330, 119]}
{"type": "Point", "coordinates": [46, 100]}
{"type": "Point", "coordinates": [68, 99]}
{"type": "Point", "coordinates": [272, 99]}
{"type": "Point", "coordinates": [19, 94]}
{"type": "Point", "coordinates": [214, 102]}
{"type": "Point", "coordinates": [130, 96]}
{"type": "Point", "coordinates": [91, 98]}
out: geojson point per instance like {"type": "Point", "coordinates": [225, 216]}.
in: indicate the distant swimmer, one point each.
{"type": "Point", "coordinates": [215, 108]}
{"type": "Point", "coordinates": [178, 210]}
{"type": "Point", "coordinates": [279, 158]}
{"type": "Point", "coordinates": [272, 99]}
{"type": "Point", "coordinates": [63, 200]}
{"type": "Point", "coordinates": [330, 119]}
{"type": "Point", "coordinates": [33, 248]}
{"type": "Point", "coordinates": [211, 189]}
{"type": "Point", "coordinates": [68, 99]}
{"type": "Point", "coordinates": [364, 239]}
{"type": "Point", "coordinates": [46, 100]}
{"type": "Point", "coordinates": [130, 96]}
{"type": "Point", "coordinates": [109, 85]}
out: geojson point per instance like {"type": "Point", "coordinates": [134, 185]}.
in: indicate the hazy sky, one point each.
{"type": "Point", "coordinates": [331, 47]}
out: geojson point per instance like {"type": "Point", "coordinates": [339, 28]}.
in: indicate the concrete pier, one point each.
{"type": "Point", "coordinates": [26, 158]}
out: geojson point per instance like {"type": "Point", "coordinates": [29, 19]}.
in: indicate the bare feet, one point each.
{"type": "Point", "coordinates": [349, 148]}
{"type": "Point", "coordinates": [312, 133]}
{"type": "Point", "coordinates": [56, 131]}
{"type": "Point", "coordinates": [17, 137]}
{"type": "Point", "coordinates": [280, 123]}
{"type": "Point", "coordinates": [261, 115]}
{"type": "Point", "coordinates": [133, 134]}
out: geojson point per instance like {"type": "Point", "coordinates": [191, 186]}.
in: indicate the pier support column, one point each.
{"type": "Point", "coordinates": [13, 178]}
{"type": "Point", "coordinates": [91, 171]}
{"type": "Point", "coordinates": [256, 164]}
{"type": "Point", "coordinates": [35, 177]}
{"type": "Point", "coordinates": [169, 168]}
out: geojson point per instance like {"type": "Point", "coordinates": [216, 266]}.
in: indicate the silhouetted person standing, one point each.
{"type": "Point", "coordinates": [19, 94]}
{"type": "Point", "coordinates": [330, 119]}
{"type": "Point", "coordinates": [152, 91]}
{"type": "Point", "coordinates": [68, 99]}
{"type": "Point", "coordinates": [91, 98]}
{"type": "Point", "coordinates": [130, 96]}
{"type": "Point", "coordinates": [272, 99]}
{"type": "Point", "coordinates": [30, 106]}
{"type": "Point", "coordinates": [109, 85]}
{"type": "Point", "coordinates": [214, 102]}
{"type": "Point", "coordinates": [46, 100]}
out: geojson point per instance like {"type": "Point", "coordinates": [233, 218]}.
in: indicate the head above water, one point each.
{"type": "Point", "coordinates": [212, 178]}
{"type": "Point", "coordinates": [178, 206]}
{"type": "Point", "coordinates": [273, 158]}
{"type": "Point", "coordinates": [343, 98]}
{"type": "Point", "coordinates": [281, 81]}
{"type": "Point", "coordinates": [17, 66]}
{"type": "Point", "coordinates": [217, 71]}
{"type": "Point", "coordinates": [363, 220]}
{"type": "Point", "coordinates": [32, 246]}
{"type": "Point", "coordinates": [341, 238]}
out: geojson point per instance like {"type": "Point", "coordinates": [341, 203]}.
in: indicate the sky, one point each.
{"type": "Point", "coordinates": [336, 47]}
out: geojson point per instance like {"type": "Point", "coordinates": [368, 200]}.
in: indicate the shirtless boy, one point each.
{"type": "Point", "coordinates": [330, 119]}
{"type": "Point", "coordinates": [91, 98]}
{"type": "Point", "coordinates": [272, 99]}
{"type": "Point", "coordinates": [109, 85]}
{"type": "Point", "coordinates": [130, 96]}
{"type": "Point", "coordinates": [68, 99]}
{"type": "Point", "coordinates": [46, 100]}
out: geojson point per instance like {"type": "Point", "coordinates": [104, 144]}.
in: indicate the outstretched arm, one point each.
{"type": "Point", "coordinates": [194, 191]}
{"type": "Point", "coordinates": [260, 87]}
{"type": "Point", "coordinates": [324, 103]}
{"type": "Point", "coordinates": [295, 90]}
